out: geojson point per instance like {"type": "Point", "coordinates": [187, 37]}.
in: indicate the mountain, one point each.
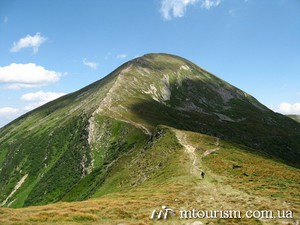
{"type": "Point", "coordinates": [295, 117]}
{"type": "Point", "coordinates": [157, 121]}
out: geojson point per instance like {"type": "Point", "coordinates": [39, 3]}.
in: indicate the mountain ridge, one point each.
{"type": "Point", "coordinates": [68, 148]}
{"type": "Point", "coordinates": [211, 101]}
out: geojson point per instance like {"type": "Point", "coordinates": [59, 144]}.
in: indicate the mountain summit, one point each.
{"type": "Point", "coordinates": [96, 140]}
{"type": "Point", "coordinates": [165, 89]}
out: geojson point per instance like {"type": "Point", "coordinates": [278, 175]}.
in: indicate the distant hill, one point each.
{"type": "Point", "coordinates": [295, 117]}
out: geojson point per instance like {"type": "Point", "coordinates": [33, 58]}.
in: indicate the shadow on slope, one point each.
{"type": "Point", "coordinates": [240, 119]}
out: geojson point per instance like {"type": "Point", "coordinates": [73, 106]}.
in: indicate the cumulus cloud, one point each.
{"type": "Point", "coordinates": [288, 108]}
{"type": "Point", "coordinates": [92, 65]}
{"type": "Point", "coordinates": [29, 41]}
{"type": "Point", "coordinates": [8, 111]}
{"type": "Point", "coordinates": [16, 76]}
{"type": "Point", "coordinates": [122, 56]}
{"type": "Point", "coordinates": [39, 98]}
{"type": "Point", "coordinates": [177, 8]}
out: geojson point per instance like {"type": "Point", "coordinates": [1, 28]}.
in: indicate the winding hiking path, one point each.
{"type": "Point", "coordinates": [213, 193]}
{"type": "Point", "coordinates": [190, 150]}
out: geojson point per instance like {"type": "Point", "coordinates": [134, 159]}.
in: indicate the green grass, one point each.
{"type": "Point", "coordinates": [127, 172]}
{"type": "Point", "coordinates": [155, 162]}
{"type": "Point", "coordinates": [46, 141]}
{"type": "Point", "coordinates": [126, 197]}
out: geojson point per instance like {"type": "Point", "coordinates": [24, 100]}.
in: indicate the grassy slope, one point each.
{"type": "Point", "coordinates": [197, 98]}
{"type": "Point", "coordinates": [48, 144]}
{"type": "Point", "coordinates": [142, 174]}
{"type": "Point", "coordinates": [159, 174]}
{"type": "Point", "coordinates": [118, 138]}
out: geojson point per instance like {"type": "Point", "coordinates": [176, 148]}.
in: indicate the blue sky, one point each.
{"type": "Point", "coordinates": [49, 48]}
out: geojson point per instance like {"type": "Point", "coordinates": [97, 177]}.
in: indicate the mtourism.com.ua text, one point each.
{"type": "Point", "coordinates": [235, 214]}
{"type": "Point", "coordinates": [165, 212]}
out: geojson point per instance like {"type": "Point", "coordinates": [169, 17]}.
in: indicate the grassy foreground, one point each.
{"type": "Point", "coordinates": [236, 179]}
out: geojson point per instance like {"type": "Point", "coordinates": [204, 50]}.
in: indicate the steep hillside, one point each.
{"type": "Point", "coordinates": [117, 135]}
{"type": "Point", "coordinates": [49, 142]}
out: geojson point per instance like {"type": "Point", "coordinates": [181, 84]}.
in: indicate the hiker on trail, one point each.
{"type": "Point", "coordinates": [202, 174]}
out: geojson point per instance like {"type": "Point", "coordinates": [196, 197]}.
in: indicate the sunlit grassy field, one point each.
{"type": "Point", "coordinates": [236, 179]}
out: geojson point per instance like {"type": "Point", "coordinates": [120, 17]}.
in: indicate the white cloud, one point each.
{"type": "Point", "coordinates": [8, 111]}
{"type": "Point", "coordinates": [177, 8]}
{"type": "Point", "coordinates": [39, 98]}
{"type": "Point", "coordinates": [207, 4]}
{"type": "Point", "coordinates": [122, 56]}
{"type": "Point", "coordinates": [288, 108]}
{"type": "Point", "coordinates": [29, 42]}
{"type": "Point", "coordinates": [16, 76]}
{"type": "Point", "coordinates": [92, 65]}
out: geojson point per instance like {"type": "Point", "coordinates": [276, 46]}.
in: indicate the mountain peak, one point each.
{"type": "Point", "coordinates": [159, 76]}
{"type": "Point", "coordinates": [160, 88]}
{"type": "Point", "coordinates": [80, 136]}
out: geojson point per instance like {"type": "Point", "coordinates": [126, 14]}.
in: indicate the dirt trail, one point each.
{"type": "Point", "coordinates": [195, 167]}
{"type": "Point", "coordinates": [181, 136]}
{"type": "Point", "coordinates": [212, 193]}
{"type": "Point", "coordinates": [209, 151]}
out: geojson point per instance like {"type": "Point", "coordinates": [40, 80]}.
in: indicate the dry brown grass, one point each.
{"type": "Point", "coordinates": [135, 207]}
